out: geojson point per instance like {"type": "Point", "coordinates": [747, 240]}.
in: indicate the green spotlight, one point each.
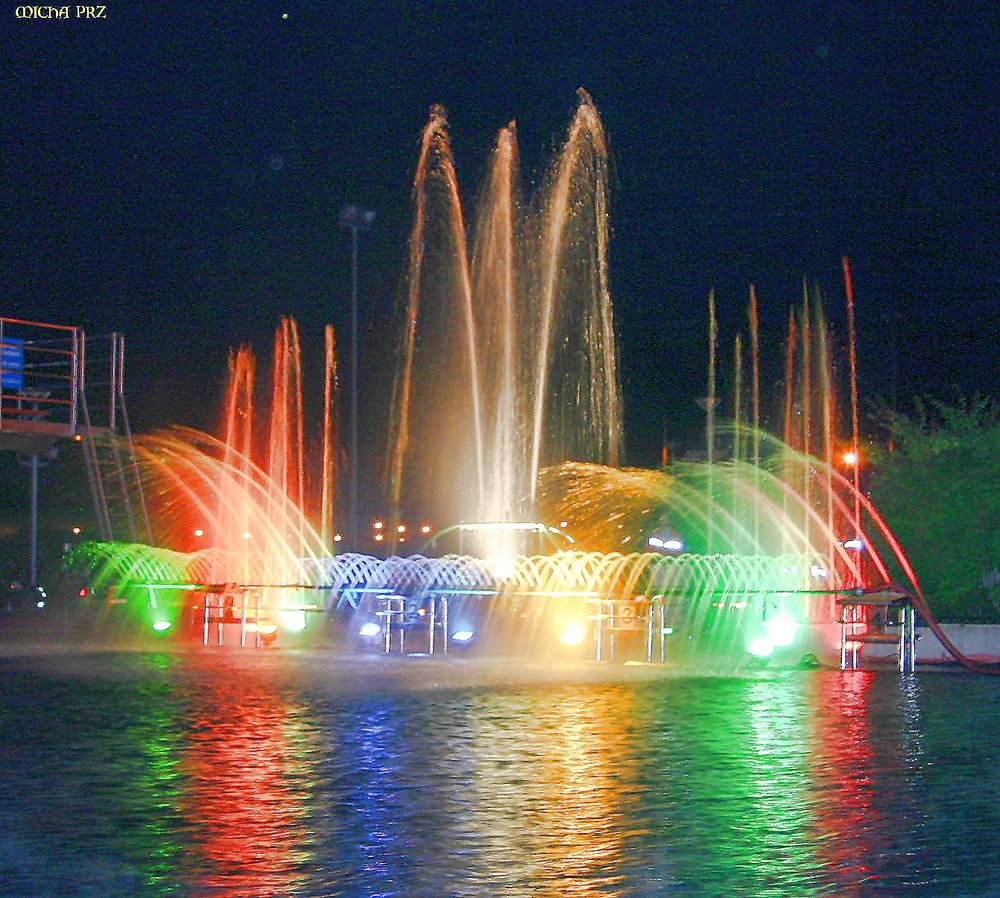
{"type": "Point", "coordinates": [161, 626]}
{"type": "Point", "coordinates": [781, 631]}
{"type": "Point", "coordinates": [760, 646]}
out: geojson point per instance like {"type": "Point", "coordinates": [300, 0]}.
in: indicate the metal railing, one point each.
{"type": "Point", "coordinates": [39, 376]}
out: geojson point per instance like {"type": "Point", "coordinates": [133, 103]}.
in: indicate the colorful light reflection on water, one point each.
{"type": "Point", "coordinates": [156, 775]}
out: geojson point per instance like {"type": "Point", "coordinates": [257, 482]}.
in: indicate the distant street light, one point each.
{"type": "Point", "coordinates": [354, 218]}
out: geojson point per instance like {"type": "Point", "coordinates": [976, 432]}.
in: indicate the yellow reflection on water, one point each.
{"type": "Point", "coordinates": [568, 821]}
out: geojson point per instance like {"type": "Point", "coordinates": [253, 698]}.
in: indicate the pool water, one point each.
{"type": "Point", "coordinates": [229, 773]}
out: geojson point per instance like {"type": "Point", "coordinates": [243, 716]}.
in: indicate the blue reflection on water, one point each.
{"type": "Point", "coordinates": [262, 773]}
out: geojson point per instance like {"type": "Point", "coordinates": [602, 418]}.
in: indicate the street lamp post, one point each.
{"type": "Point", "coordinates": [355, 218]}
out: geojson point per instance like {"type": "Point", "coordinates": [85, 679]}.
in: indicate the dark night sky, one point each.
{"type": "Point", "coordinates": [175, 172]}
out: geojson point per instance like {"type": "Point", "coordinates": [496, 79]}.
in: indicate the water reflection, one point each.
{"type": "Point", "coordinates": [209, 775]}
{"type": "Point", "coordinates": [847, 819]}
{"type": "Point", "coordinates": [563, 810]}
{"type": "Point", "coordinates": [248, 784]}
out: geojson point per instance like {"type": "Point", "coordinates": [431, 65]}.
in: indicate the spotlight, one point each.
{"type": "Point", "coordinates": [161, 626]}
{"type": "Point", "coordinates": [462, 635]}
{"type": "Point", "coordinates": [760, 647]}
{"type": "Point", "coordinates": [671, 544]}
{"type": "Point", "coordinates": [369, 630]}
{"type": "Point", "coordinates": [781, 631]}
{"type": "Point", "coordinates": [573, 633]}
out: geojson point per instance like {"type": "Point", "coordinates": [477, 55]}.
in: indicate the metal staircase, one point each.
{"type": "Point", "coordinates": [56, 388]}
{"type": "Point", "coordinates": [882, 617]}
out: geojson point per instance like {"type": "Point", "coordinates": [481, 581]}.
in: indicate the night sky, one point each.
{"type": "Point", "coordinates": [175, 171]}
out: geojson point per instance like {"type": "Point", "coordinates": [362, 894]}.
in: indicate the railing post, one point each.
{"type": "Point", "coordinates": [649, 633]}
{"type": "Point", "coordinates": [913, 639]}
{"type": "Point", "coordinates": [902, 638]}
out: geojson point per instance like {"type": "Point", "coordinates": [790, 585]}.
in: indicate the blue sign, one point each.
{"type": "Point", "coordinates": [12, 364]}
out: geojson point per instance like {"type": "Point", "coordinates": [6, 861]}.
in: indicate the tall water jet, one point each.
{"type": "Point", "coordinates": [242, 503]}
{"type": "Point", "coordinates": [508, 359]}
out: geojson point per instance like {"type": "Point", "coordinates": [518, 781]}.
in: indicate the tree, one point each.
{"type": "Point", "coordinates": [937, 485]}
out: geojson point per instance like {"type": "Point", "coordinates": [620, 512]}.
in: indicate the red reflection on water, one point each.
{"type": "Point", "coordinates": [248, 812]}
{"type": "Point", "coordinates": [847, 818]}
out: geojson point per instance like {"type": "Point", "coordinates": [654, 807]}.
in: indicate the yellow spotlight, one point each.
{"type": "Point", "coordinates": [378, 525]}
{"type": "Point", "coordinates": [246, 534]}
{"type": "Point", "coordinates": [401, 528]}
{"type": "Point", "coordinates": [199, 532]}
{"type": "Point", "coordinates": [379, 537]}
{"type": "Point", "coordinates": [573, 633]}
{"type": "Point", "coordinates": [425, 529]}
{"type": "Point", "coordinates": [337, 538]}
{"type": "Point", "coordinates": [851, 458]}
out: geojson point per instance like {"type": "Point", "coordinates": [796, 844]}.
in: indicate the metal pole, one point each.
{"type": "Point", "coordinates": [33, 538]}
{"type": "Point", "coordinates": [663, 634]}
{"type": "Point", "coordinates": [913, 639]}
{"type": "Point", "coordinates": [843, 637]}
{"type": "Point", "coordinates": [902, 639]}
{"type": "Point", "coordinates": [649, 633]}
{"type": "Point", "coordinates": [355, 536]}
{"type": "Point", "coordinates": [75, 379]}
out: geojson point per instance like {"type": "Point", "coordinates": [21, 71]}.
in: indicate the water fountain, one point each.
{"type": "Point", "coordinates": [506, 404]}
{"type": "Point", "coordinates": [508, 359]}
